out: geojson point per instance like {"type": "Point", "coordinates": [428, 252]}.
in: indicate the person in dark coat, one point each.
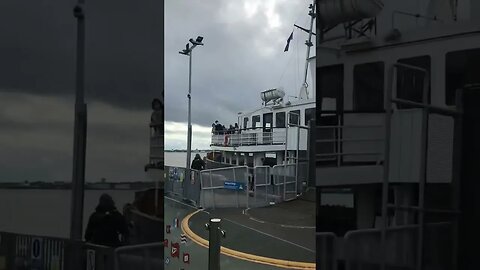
{"type": "Point", "coordinates": [106, 226]}
{"type": "Point", "coordinates": [198, 163]}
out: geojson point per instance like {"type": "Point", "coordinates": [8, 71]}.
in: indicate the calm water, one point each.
{"type": "Point", "coordinates": [179, 159]}
{"type": "Point", "coordinates": [47, 212]}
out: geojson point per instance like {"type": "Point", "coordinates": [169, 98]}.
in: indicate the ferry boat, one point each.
{"type": "Point", "coordinates": [277, 134]}
{"type": "Point", "coordinates": [145, 214]}
{"type": "Point", "coordinates": [402, 77]}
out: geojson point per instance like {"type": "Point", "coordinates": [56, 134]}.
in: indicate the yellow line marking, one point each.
{"type": "Point", "coordinates": [241, 255]}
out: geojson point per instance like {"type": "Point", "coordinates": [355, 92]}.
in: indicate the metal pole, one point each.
{"type": "Point", "coordinates": [189, 134]}
{"type": "Point", "coordinates": [309, 44]}
{"type": "Point", "coordinates": [79, 142]}
{"type": "Point", "coordinates": [214, 244]}
{"type": "Point", "coordinates": [423, 171]}
{"type": "Point", "coordinates": [386, 162]}
{"type": "Point", "coordinates": [80, 130]}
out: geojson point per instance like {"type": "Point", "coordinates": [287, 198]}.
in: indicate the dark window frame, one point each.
{"type": "Point", "coordinates": [291, 114]}
{"type": "Point", "coordinates": [309, 116]}
{"type": "Point", "coordinates": [361, 82]}
{"type": "Point", "coordinates": [254, 123]}
{"type": "Point", "coordinates": [408, 75]}
{"type": "Point", "coordinates": [283, 122]}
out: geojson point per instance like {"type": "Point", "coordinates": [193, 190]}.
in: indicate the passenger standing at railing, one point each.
{"type": "Point", "coordinates": [157, 117]}
{"type": "Point", "coordinates": [106, 226]}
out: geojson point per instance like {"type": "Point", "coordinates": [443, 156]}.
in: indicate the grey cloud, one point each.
{"type": "Point", "coordinates": [240, 58]}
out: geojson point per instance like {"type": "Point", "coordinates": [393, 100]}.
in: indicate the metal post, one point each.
{"type": "Point", "coordinates": [309, 44]}
{"type": "Point", "coordinates": [286, 157]}
{"type": "Point", "coordinates": [214, 243]}
{"type": "Point", "coordinates": [79, 147]}
{"type": "Point", "coordinates": [423, 171]}
{"type": "Point", "coordinates": [386, 162]}
{"type": "Point", "coordinates": [189, 132]}
{"type": "Point", "coordinates": [79, 141]}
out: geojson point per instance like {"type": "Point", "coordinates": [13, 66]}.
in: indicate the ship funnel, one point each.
{"type": "Point", "coordinates": [333, 12]}
{"type": "Point", "coordinates": [272, 94]}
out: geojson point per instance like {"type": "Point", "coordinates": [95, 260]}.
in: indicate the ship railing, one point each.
{"type": "Point", "coordinates": [250, 136]}
{"type": "Point", "coordinates": [156, 144]}
{"type": "Point", "coordinates": [140, 257]}
{"type": "Point", "coordinates": [23, 251]}
{"type": "Point", "coordinates": [350, 144]}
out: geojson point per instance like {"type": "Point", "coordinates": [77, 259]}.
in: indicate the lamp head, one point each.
{"type": "Point", "coordinates": [198, 41]}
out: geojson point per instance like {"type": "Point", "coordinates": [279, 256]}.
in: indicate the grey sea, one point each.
{"type": "Point", "coordinates": [47, 212]}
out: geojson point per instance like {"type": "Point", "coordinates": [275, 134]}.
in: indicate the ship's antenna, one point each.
{"type": "Point", "coordinates": [309, 44]}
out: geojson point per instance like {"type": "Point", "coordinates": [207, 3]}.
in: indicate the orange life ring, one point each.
{"type": "Point", "coordinates": [225, 141]}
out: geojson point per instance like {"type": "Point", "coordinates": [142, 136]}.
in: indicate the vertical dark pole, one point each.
{"type": "Point", "coordinates": [79, 140]}
{"type": "Point", "coordinates": [214, 244]}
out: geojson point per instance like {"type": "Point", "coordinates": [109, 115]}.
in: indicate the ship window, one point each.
{"type": "Point", "coordinates": [462, 68]}
{"type": "Point", "coordinates": [280, 120]}
{"type": "Point", "coordinates": [410, 82]}
{"type": "Point", "coordinates": [255, 120]}
{"type": "Point", "coordinates": [245, 122]}
{"type": "Point", "coordinates": [330, 86]}
{"type": "Point", "coordinates": [368, 87]}
{"type": "Point", "coordinates": [294, 117]}
{"type": "Point", "coordinates": [309, 115]}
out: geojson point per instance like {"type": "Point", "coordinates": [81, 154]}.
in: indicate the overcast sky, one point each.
{"type": "Point", "coordinates": [242, 56]}
{"type": "Point", "coordinates": [124, 72]}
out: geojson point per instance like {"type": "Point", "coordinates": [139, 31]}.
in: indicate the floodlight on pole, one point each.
{"type": "Point", "coordinates": [188, 51]}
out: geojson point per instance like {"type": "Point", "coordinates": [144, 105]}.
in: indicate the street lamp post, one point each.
{"type": "Point", "coordinates": [188, 51]}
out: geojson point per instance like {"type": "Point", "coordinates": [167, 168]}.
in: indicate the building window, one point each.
{"type": "Point", "coordinates": [309, 115]}
{"type": "Point", "coordinates": [462, 68]}
{"type": "Point", "coordinates": [368, 84]}
{"type": "Point", "coordinates": [410, 82]}
{"type": "Point", "coordinates": [280, 120]}
{"type": "Point", "coordinates": [294, 117]}
{"type": "Point", "coordinates": [255, 120]}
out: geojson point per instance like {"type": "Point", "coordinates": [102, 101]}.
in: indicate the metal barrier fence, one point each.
{"type": "Point", "coordinates": [362, 248]}
{"type": "Point", "coordinates": [18, 251]}
{"type": "Point", "coordinates": [215, 187]}
{"type": "Point", "coordinates": [326, 251]}
{"type": "Point", "coordinates": [177, 183]}
{"type": "Point", "coordinates": [285, 184]}
{"type": "Point", "coordinates": [262, 188]}
{"type": "Point", "coordinates": [224, 187]}
{"type": "Point", "coordinates": [140, 257]}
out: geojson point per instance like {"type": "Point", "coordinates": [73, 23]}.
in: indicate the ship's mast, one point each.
{"type": "Point", "coordinates": [311, 13]}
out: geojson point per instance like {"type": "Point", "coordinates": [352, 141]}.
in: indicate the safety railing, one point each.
{"type": "Point", "coordinates": [352, 143]}
{"type": "Point", "coordinates": [156, 149]}
{"type": "Point", "coordinates": [400, 252]}
{"type": "Point", "coordinates": [285, 182]}
{"type": "Point", "coordinates": [21, 251]}
{"type": "Point", "coordinates": [140, 257]}
{"type": "Point", "coordinates": [250, 137]}
{"type": "Point", "coordinates": [224, 187]}
{"type": "Point", "coordinates": [262, 185]}
{"type": "Point", "coordinates": [326, 251]}
{"type": "Point", "coordinates": [231, 186]}
{"type": "Point", "coordinates": [177, 183]}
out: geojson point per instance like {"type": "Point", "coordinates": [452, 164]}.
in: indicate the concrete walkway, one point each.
{"type": "Point", "coordinates": [251, 236]}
